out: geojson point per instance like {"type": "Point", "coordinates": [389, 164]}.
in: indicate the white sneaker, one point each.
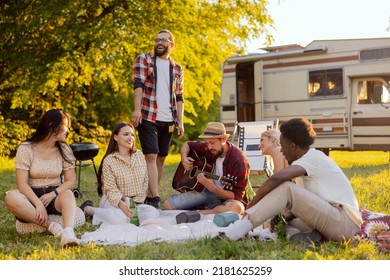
{"type": "Point", "coordinates": [238, 229]}
{"type": "Point", "coordinates": [55, 229]}
{"type": "Point", "coordinates": [68, 238]}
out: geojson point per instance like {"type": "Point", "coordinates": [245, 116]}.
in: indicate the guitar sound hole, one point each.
{"type": "Point", "coordinates": [193, 172]}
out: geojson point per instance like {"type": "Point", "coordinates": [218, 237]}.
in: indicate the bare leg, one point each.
{"type": "Point", "coordinates": [19, 205]}
{"type": "Point", "coordinates": [230, 206]}
{"type": "Point", "coordinates": [66, 204]}
{"type": "Point", "coordinates": [160, 167]}
{"type": "Point", "coordinates": [167, 205]}
{"type": "Point", "coordinates": [151, 163]}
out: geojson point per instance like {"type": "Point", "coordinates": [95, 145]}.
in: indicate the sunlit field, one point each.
{"type": "Point", "coordinates": [369, 173]}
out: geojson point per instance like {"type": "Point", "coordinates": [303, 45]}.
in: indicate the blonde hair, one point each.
{"type": "Point", "coordinates": [274, 133]}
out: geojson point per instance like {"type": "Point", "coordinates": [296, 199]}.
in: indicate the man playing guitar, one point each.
{"type": "Point", "coordinates": [230, 165]}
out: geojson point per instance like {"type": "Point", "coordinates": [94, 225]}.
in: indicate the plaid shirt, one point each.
{"type": "Point", "coordinates": [145, 76]}
{"type": "Point", "coordinates": [235, 164]}
{"type": "Point", "coordinates": [122, 179]}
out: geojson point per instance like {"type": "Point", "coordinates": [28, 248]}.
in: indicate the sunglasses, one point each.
{"type": "Point", "coordinates": [162, 40]}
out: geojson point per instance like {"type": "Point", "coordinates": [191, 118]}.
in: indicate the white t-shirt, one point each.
{"type": "Point", "coordinates": [219, 171]}
{"type": "Point", "coordinates": [163, 97]}
{"type": "Point", "coordinates": [327, 180]}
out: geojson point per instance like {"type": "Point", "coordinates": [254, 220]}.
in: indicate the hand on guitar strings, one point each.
{"type": "Point", "coordinates": [204, 181]}
{"type": "Point", "coordinates": [187, 163]}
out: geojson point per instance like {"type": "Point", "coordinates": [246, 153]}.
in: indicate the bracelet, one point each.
{"type": "Point", "coordinates": [55, 191]}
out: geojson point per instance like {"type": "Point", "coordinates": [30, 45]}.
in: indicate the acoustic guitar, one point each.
{"type": "Point", "coordinates": [184, 181]}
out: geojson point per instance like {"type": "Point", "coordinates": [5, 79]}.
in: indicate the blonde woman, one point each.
{"type": "Point", "coordinates": [270, 147]}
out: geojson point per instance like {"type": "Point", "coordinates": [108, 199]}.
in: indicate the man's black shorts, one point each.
{"type": "Point", "coordinates": [155, 137]}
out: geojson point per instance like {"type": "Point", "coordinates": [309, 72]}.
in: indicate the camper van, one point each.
{"type": "Point", "coordinates": [340, 86]}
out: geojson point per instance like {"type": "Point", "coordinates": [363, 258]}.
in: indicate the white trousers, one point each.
{"type": "Point", "coordinates": [108, 214]}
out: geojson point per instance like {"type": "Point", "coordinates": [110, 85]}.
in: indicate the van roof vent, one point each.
{"type": "Point", "coordinates": [375, 54]}
{"type": "Point", "coordinates": [283, 48]}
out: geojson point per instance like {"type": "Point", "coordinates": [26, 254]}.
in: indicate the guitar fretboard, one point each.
{"type": "Point", "coordinates": [195, 172]}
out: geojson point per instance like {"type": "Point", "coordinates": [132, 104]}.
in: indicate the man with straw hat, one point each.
{"type": "Point", "coordinates": [228, 161]}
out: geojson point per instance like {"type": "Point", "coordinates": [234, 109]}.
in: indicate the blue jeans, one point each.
{"type": "Point", "coordinates": [194, 200]}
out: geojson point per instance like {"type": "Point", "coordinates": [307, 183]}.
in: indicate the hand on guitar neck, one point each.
{"type": "Point", "coordinates": [187, 180]}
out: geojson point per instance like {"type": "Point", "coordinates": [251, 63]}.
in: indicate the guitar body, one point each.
{"type": "Point", "coordinates": [184, 181]}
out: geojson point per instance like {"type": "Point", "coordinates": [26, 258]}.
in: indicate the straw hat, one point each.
{"type": "Point", "coordinates": [214, 130]}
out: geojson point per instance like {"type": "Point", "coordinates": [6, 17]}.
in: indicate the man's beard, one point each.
{"type": "Point", "coordinates": [218, 153]}
{"type": "Point", "coordinates": [160, 53]}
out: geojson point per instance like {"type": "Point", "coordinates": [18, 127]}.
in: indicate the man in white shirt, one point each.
{"type": "Point", "coordinates": [325, 203]}
{"type": "Point", "coordinates": [158, 107]}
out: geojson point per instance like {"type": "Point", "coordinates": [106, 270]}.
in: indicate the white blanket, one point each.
{"type": "Point", "coordinates": [157, 226]}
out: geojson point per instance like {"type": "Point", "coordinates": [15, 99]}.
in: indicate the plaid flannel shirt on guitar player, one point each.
{"type": "Point", "coordinates": [235, 165]}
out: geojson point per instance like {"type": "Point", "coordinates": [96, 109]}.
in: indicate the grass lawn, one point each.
{"type": "Point", "coordinates": [368, 172]}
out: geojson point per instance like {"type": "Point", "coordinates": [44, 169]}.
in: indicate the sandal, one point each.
{"type": "Point", "coordinates": [86, 203]}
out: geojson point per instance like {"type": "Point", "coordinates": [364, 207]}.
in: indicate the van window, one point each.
{"type": "Point", "coordinates": [372, 92]}
{"type": "Point", "coordinates": [375, 54]}
{"type": "Point", "coordinates": [325, 83]}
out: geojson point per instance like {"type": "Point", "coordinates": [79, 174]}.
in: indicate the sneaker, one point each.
{"type": "Point", "coordinates": [307, 238]}
{"type": "Point", "coordinates": [239, 229]}
{"type": "Point", "coordinates": [147, 200]}
{"type": "Point", "coordinates": [68, 238]}
{"type": "Point", "coordinates": [85, 204]}
{"type": "Point", "coordinates": [55, 229]}
{"type": "Point", "coordinates": [154, 201]}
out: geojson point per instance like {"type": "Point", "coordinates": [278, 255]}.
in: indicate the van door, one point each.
{"type": "Point", "coordinates": [245, 92]}
{"type": "Point", "coordinates": [370, 114]}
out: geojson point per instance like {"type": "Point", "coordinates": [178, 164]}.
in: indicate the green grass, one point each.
{"type": "Point", "coordinates": [368, 172]}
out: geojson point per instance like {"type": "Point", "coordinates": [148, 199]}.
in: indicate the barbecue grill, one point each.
{"type": "Point", "coordinates": [84, 152]}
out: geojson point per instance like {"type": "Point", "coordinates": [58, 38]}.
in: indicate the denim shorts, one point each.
{"type": "Point", "coordinates": [194, 200]}
{"type": "Point", "coordinates": [155, 138]}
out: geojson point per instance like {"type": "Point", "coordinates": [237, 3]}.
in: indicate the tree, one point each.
{"type": "Point", "coordinates": [78, 55]}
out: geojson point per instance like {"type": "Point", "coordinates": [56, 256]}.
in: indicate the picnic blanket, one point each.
{"type": "Point", "coordinates": [374, 223]}
{"type": "Point", "coordinates": [375, 227]}
{"type": "Point", "coordinates": [159, 226]}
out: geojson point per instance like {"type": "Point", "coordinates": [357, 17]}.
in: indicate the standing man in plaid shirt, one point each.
{"type": "Point", "coordinates": [158, 107]}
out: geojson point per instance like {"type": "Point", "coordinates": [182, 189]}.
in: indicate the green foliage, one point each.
{"type": "Point", "coordinates": [78, 56]}
{"type": "Point", "coordinates": [11, 133]}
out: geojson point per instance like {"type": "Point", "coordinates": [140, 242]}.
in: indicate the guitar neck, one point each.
{"type": "Point", "coordinates": [212, 176]}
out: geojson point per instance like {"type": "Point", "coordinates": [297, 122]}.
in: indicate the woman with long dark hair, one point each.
{"type": "Point", "coordinates": [122, 175]}
{"type": "Point", "coordinates": [45, 176]}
